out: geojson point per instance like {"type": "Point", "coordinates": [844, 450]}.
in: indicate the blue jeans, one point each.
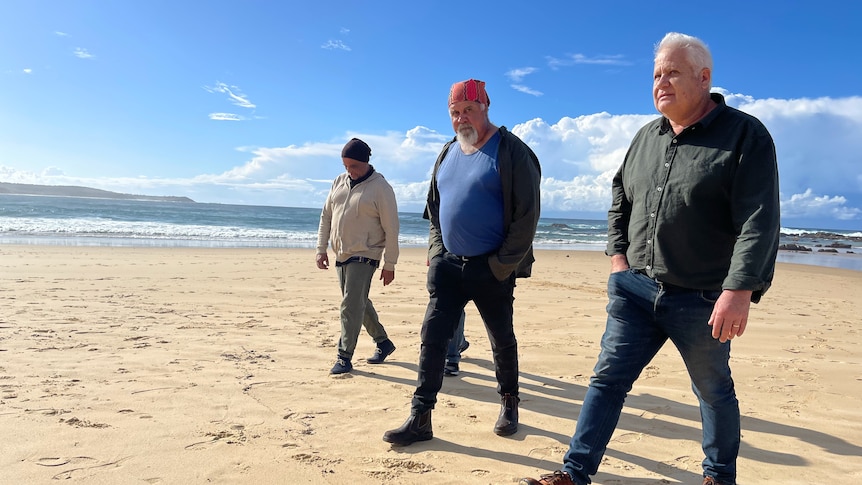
{"type": "Point", "coordinates": [452, 282]}
{"type": "Point", "coordinates": [642, 315]}
{"type": "Point", "coordinates": [453, 353]}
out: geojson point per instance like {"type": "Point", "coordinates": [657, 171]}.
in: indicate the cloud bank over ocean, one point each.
{"type": "Point", "coordinates": [818, 143]}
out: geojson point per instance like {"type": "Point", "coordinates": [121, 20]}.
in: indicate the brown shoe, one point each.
{"type": "Point", "coordinates": [556, 478]}
{"type": "Point", "coordinates": [712, 481]}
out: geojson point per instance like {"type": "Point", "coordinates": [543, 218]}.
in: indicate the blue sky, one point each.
{"type": "Point", "coordinates": [251, 102]}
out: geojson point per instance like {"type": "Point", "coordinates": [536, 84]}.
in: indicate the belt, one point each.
{"type": "Point", "coordinates": [662, 284]}
{"type": "Point", "coordinates": [359, 259]}
{"type": "Point", "coordinates": [479, 257]}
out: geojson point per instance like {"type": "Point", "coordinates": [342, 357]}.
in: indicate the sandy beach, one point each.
{"type": "Point", "coordinates": [192, 366]}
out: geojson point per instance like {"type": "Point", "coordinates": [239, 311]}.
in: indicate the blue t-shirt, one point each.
{"type": "Point", "coordinates": [471, 200]}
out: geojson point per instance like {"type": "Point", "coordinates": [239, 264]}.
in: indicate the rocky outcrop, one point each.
{"type": "Point", "coordinates": [793, 247]}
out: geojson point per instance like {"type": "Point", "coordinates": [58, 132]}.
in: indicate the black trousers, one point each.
{"type": "Point", "coordinates": [452, 282]}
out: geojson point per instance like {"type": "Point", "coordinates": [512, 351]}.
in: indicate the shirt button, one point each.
{"type": "Point", "coordinates": [652, 214]}
{"type": "Point", "coordinates": [658, 188]}
{"type": "Point", "coordinates": [649, 241]}
{"type": "Point", "coordinates": [648, 266]}
{"type": "Point", "coordinates": [674, 140]}
{"type": "Point", "coordinates": [666, 164]}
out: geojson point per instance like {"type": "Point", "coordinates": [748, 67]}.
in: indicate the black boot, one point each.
{"type": "Point", "coordinates": [416, 428]}
{"type": "Point", "coordinates": [507, 423]}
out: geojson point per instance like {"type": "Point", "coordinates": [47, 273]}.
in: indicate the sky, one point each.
{"type": "Point", "coordinates": [251, 102]}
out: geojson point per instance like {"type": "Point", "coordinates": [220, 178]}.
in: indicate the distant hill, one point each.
{"type": "Point", "coordinates": [74, 191]}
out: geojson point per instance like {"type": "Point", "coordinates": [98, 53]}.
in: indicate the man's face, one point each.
{"type": "Point", "coordinates": [678, 87]}
{"type": "Point", "coordinates": [355, 168]}
{"type": "Point", "coordinates": [468, 120]}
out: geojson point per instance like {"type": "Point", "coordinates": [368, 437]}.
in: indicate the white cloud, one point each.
{"type": "Point", "coordinates": [61, 34]}
{"type": "Point", "coordinates": [234, 94]}
{"type": "Point", "coordinates": [12, 176]}
{"type": "Point", "coordinates": [818, 144]}
{"type": "Point", "coordinates": [573, 59]}
{"type": "Point", "coordinates": [810, 206]}
{"type": "Point", "coordinates": [28, 71]}
{"type": "Point", "coordinates": [82, 53]}
{"type": "Point", "coordinates": [335, 44]}
{"type": "Point", "coordinates": [817, 141]}
{"type": "Point", "coordinates": [226, 117]}
{"type": "Point", "coordinates": [53, 172]}
{"type": "Point", "coordinates": [526, 90]}
{"type": "Point", "coordinates": [517, 75]}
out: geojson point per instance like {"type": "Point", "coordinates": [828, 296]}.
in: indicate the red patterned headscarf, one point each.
{"type": "Point", "coordinates": [469, 90]}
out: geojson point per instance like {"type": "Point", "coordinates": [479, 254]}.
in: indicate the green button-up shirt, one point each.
{"type": "Point", "coordinates": [700, 209]}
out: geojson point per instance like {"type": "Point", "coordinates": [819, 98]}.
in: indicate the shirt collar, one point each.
{"type": "Point", "coordinates": [703, 122]}
{"type": "Point", "coordinates": [354, 183]}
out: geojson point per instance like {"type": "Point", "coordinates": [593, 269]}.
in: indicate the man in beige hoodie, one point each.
{"type": "Point", "coordinates": [360, 221]}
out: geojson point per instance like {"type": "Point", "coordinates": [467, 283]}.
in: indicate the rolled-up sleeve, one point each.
{"type": "Point", "coordinates": [756, 216]}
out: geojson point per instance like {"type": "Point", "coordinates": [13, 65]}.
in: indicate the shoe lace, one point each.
{"type": "Point", "coordinates": [558, 476]}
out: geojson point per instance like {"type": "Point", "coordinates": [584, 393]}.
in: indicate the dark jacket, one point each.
{"type": "Point", "coordinates": [520, 174]}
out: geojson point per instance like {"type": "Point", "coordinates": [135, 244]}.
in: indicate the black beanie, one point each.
{"type": "Point", "coordinates": [357, 150]}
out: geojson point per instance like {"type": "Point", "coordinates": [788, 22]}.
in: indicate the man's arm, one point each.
{"type": "Point", "coordinates": [526, 209]}
{"type": "Point", "coordinates": [323, 231]}
{"type": "Point", "coordinates": [755, 209]}
{"type": "Point", "coordinates": [432, 207]}
{"type": "Point", "coordinates": [618, 219]}
{"type": "Point", "coordinates": [756, 215]}
{"type": "Point", "coordinates": [387, 207]}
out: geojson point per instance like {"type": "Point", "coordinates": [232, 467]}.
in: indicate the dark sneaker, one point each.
{"type": "Point", "coordinates": [451, 370]}
{"type": "Point", "coordinates": [463, 348]}
{"type": "Point", "coordinates": [556, 478]}
{"type": "Point", "coordinates": [342, 366]}
{"type": "Point", "coordinates": [383, 350]}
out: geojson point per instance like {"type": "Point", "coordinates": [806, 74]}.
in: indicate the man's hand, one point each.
{"type": "Point", "coordinates": [619, 262]}
{"type": "Point", "coordinates": [387, 276]}
{"type": "Point", "coordinates": [730, 314]}
{"type": "Point", "coordinates": [323, 261]}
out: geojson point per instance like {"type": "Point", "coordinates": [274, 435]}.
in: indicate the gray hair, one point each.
{"type": "Point", "coordinates": [698, 53]}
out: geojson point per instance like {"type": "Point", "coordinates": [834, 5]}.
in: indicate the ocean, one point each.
{"type": "Point", "coordinates": [77, 221]}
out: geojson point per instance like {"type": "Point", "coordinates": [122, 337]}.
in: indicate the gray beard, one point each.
{"type": "Point", "coordinates": [467, 136]}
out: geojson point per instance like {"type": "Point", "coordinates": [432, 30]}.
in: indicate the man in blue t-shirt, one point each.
{"type": "Point", "coordinates": [483, 205]}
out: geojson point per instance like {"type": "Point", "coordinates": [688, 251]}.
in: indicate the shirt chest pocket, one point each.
{"type": "Point", "coordinates": [703, 174]}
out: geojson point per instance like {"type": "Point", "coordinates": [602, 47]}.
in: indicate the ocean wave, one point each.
{"type": "Point", "coordinates": [823, 233]}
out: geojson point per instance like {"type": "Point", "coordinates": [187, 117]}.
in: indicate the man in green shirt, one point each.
{"type": "Point", "coordinates": [693, 236]}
